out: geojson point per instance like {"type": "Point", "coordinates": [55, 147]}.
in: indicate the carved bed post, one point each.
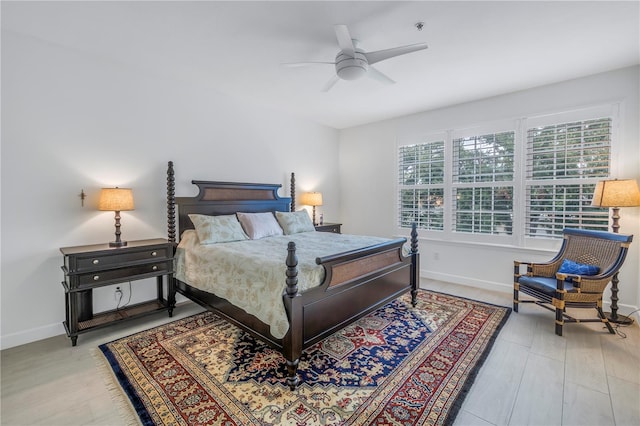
{"type": "Point", "coordinates": [292, 299]}
{"type": "Point", "coordinates": [171, 233]}
{"type": "Point", "coordinates": [415, 265]}
{"type": "Point", "coordinates": [171, 203]}
{"type": "Point", "coordinates": [292, 270]}
{"type": "Point", "coordinates": [293, 192]}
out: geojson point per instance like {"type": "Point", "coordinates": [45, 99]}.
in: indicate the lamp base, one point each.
{"type": "Point", "coordinates": [117, 243]}
{"type": "Point", "coordinates": [619, 319]}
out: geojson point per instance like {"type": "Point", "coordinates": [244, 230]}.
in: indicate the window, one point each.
{"type": "Point", "coordinates": [529, 182]}
{"type": "Point", "coordinates": [483, 183]}
{"type": "Point", "coordinates": [564, 163]}
{"type": "Point", "coordinates": [422, 185]}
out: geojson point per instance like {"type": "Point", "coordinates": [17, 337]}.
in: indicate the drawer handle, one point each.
{"type": "Point", "coordinates": [96, 261]}
{"type": "Point", "coordinates": [155, 267]}
{"type": "Point", "coordinates": [96, 277]}
{"type": "Point", "coordinates": [154, 253]}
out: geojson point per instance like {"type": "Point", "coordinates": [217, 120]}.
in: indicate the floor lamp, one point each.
{"type": "Point", "coordinates": [615, 194]}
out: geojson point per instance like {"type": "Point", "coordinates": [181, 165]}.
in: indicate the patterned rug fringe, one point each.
{"type": "Point", "coordinates": [119, 398]}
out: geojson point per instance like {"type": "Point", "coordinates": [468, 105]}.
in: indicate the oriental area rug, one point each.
{"type": "Point", "coordinates": [397, 366]}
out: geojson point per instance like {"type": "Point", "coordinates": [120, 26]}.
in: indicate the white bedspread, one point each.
{"type": "Point", "coordinates": [251, 274]}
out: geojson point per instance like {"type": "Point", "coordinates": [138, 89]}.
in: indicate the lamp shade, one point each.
{"type": "Point", "coordinates": [616, 193]}
{"type": "Point", "coordinates": [311, 199]}
{"type": "Point", "coordinates": [116, 199]}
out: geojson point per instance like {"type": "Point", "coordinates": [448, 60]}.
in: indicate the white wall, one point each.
{"type": "Point", "coordinates": [73, 121]}
{"type": "Point", "coordinates": [368, 172]}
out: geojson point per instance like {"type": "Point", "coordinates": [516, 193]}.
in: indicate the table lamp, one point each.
{"type": "Point", "coordinates": [312, 199]}
{"type": "Point", "coordinates": [615, 194]}
{"type": "Point", "coordinates": [116, 200]}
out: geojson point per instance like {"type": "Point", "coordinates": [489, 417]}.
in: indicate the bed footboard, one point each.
{"type": "Point", "coordinates": [356, 283]}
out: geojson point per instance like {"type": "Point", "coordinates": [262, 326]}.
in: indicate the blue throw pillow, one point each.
{"type": "Point", "coordinates": [571, 267]}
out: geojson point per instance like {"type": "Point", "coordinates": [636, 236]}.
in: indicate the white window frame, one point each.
{"type": "Point", "coordinates": [611, 111]}
{"type": "Point", "coordinates": [425, 139]}
{"type": "Point", "coordinates": [490, 128]}
{"type": "Point", "coordinates": [520, 126]}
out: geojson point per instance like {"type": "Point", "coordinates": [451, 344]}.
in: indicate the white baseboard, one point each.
{"type": "Point", "coordinates": [31, 335]}
{"type": "Point", "coordinates": [471, 282]}
{"type": "Point", "coordinates": [47, 331]}
{"type": "Point", "coordinates": [623, 309]}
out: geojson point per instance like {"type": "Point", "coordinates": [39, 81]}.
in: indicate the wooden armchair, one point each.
{"type": "Point", "coordinates": [555, 286]}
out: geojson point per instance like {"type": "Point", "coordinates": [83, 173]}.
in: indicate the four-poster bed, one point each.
{"type": "Point", "coordinates": [355, 282]}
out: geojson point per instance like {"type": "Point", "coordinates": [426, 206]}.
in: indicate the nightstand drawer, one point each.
{"type": "Point", "coordinates": [102, 261]}
{"type": "Point", "coordinates": [117, 275]}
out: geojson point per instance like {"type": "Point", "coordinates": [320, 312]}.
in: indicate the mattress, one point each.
{"type": "Point", "coordinates": [251, 274]}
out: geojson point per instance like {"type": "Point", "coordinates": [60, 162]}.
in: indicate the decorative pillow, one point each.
{"type": "Point", "coordinates": [259, 225]}
{"type": "Point", "coordinates": [295, 222]}
{"type": "Point", "coordinates": [571, 267]}
{"type": "Point", "coordinates": [217, 229]}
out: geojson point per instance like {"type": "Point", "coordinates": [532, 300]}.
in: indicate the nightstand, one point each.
{"type": "Point", "coordinates": [329, 227]}
{"type": "Point", "coordinates": [92, 266]}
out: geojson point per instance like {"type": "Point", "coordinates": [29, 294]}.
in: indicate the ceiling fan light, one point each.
{"type": "Point", "coordinates": [349, 68]}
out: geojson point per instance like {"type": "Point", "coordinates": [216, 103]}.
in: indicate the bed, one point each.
{"type": "Point", "coordinates": [352, 284]}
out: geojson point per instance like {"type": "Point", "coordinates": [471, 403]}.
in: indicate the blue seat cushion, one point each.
{"type": "Point", "coordinates": [543, 284]}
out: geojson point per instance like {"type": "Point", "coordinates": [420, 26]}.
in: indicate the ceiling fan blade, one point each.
{"type": "Point", "coordinates": [329, 84]}
{"type": "Point", "coordinates": [377, 75]}
{"type": "Point", "coordinates": [304, 64]}
{"type": "Point", "coordinates": [344, 40]}
{"type": "Point", "coordinates": [381, 55]}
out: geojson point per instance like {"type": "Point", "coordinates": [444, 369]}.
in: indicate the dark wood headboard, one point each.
{"type": "Point", "coordinates": [220, 198]}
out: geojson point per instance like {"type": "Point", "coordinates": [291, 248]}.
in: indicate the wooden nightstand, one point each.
{"type": "Point", "coordinates": [92, 266]}
{"type": "Point", "coordinates": [329, 227]}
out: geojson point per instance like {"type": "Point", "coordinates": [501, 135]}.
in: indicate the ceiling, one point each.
{"type": "Point", "coordinates": [477, 49]}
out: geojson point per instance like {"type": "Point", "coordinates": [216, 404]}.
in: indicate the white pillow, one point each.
{"type": "Point", "coordinates": [217, 229]}
{"type": "Point", "coordinates": [295, 222]}
{"type": "Point", "coordinates": [259, 225]}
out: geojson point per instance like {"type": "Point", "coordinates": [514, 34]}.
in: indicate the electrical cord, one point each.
{"type": "Point", "coordinates": [119, 298]}
{"type": "Point", "coordinates": [618, 325]}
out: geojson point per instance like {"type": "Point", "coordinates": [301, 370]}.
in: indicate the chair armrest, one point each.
{"type": "Point", "coordinates": [584, 283]}
{"type": "Point", "coordinates": [531, 266]}
{"type": "Point", "coordinates": [561, 277]}
{"type": "Point", "coordinates": [516, 267]}
{"type": "Point", "coordinates": [546, 269]}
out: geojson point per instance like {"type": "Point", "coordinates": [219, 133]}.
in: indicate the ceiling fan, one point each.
{"type": "Point", "coordinates": [352, 63]}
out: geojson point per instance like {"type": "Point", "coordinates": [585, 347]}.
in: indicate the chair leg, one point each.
{"type": "Point", "coordinates": [559, 321]}
{"type": "Point", "coordinates": [516, 284]}
{"type": "Point", "coordinates": [605, 320]}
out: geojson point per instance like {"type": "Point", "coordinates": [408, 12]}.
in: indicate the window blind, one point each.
{"type": "Point", "coordinates": [482, 192]}
{"type": "Point", "coordinates": [563, 164]}
{"type": "Point", "coordinates": [421, 180]}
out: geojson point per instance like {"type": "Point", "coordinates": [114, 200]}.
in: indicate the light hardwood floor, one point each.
{"type": "Point", "coordinates": [532, 376]}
